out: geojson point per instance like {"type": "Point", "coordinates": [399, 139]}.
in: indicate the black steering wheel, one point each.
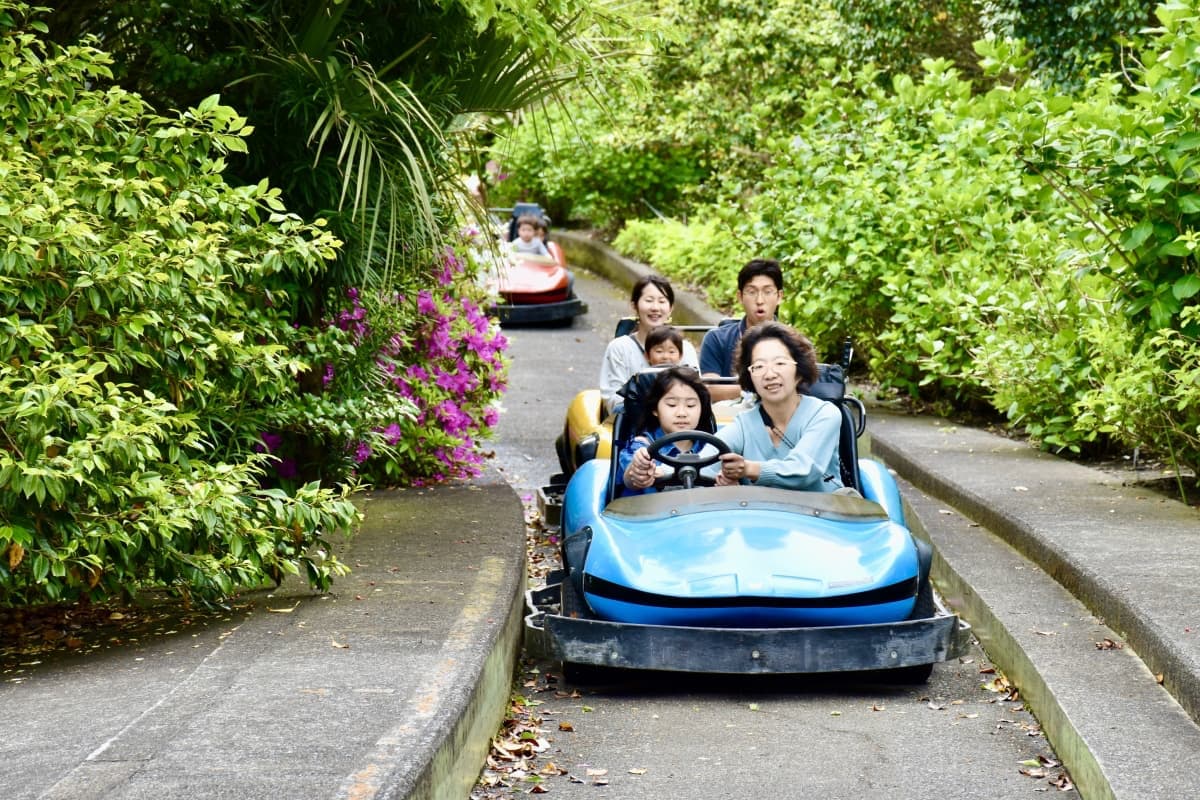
{"type": "Point", "coordinates": [687, 466]}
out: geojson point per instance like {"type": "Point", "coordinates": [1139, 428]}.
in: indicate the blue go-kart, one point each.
{"type": "Point", "coordinates": [739, 579]}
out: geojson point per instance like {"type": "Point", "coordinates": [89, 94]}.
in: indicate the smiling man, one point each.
{"type": "Point", "coordinates": [760, 291]}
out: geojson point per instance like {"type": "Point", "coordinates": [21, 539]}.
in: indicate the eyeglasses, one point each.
{"type": "Point", "coordinates": [754, 293]}
{"type": "Point", "coordinates": [778, 365]}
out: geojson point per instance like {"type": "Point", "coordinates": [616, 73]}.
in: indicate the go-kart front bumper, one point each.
{"type": "Point", "coordinates": [560, 628]}
{"type": "Point", "coordinates": [531, 313]}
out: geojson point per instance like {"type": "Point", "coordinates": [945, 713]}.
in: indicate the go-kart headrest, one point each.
{"type": "Point", "coordinates": [625, 326]}
{"type": "Point", "coordinates": [831, 383]}
{"type": "Point", "coordinates": [525, 209]}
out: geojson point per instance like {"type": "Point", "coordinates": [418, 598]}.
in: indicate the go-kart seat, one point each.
{"type": "Point", "coordinates": [625, 421]}
{"type": "Point", "coordinates": [625, 326]}
{"type": "Point", "coordinates": [522, 209]}
{"type": "Point", "coordinates": [831, 387]}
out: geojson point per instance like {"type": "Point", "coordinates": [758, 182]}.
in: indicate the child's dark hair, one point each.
{"type": "Point", "coordinates": [661, 335]}
{"type": "Point", "coordinates": [528, 219]}
{"type": "Point", "coordinates": [662, 384]}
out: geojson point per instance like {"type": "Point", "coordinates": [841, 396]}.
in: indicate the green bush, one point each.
{"type": "Point", "coordinates": [703, 255]}
{"type": "Point", "coordinates": [576, 165]}
{"type": "Point", "coordinates": [142, 357]}
{"type": "Point", "coordinates": [1147, 394]}
{"type": "Point", "coordinates": [1000, 244]}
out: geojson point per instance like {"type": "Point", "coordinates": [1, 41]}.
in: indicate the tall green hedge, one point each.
{"type": "Point", "coordinates": [141, 357]}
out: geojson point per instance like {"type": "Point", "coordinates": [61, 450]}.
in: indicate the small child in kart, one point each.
{"type": "Point", "coordinates": [664, 346]}
{"type": "Point", "coordinates": [527, 241]}
{"type": "Point", "coordinates": [677, 401]}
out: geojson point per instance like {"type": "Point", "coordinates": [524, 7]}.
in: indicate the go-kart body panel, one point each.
{"type": "Point", "coordinates": [535, 288]}
{"type": "Point", "coordinates": [587, 430]}
{"type": "Point", "coordinates": [742, 556]}
{"type": "Point", "coordinates": [739, 579]}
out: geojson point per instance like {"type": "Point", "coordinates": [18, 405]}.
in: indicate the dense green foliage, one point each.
{"type": "Point", "coordinates": [141, 355]}
{"type": "Point", "coordinates": [360, 107]}
{"type": "Point", "coordinates": [363, 113]}
{"type": "Point", "coordinates": [1067, 41]}
{"type": "Point", "coordinates": [691, 126]}
{"type": "Point", "coordinates": [188, 368]}
{"type": "Point", "coordinates": [1010, 237]}
{"type": "Point", "coordinates": [698, 254]}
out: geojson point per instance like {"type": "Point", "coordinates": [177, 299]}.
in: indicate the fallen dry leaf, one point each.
{"type": "Point", "coordinates": [336, 643]}
{"type": "Point", "coordinates": [1063, 782]}
{"type": "Point", "coordinates": [565, 726]}
{"type": "Point", "coordinates": [637, 771]}
{"type": "Point", "coordinates": [595, 773]}
{"type": "Point", "coordinates": [284, 610]}
{"type": "Point", "coordinates": [1109, 644]}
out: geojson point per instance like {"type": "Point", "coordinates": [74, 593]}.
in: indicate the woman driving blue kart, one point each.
{"type": "Point", "coordinates": [787, 439]}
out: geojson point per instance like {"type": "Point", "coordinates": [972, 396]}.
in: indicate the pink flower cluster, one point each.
{"type": "Point", "coordinates": [455, 371]}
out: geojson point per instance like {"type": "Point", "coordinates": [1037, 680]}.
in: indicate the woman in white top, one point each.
{"type": "Point", "coordinates": [788, 439]}
{"type": "Point", "coordinates": [652, 299]}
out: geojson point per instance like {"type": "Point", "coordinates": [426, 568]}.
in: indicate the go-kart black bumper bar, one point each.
{"type": "Point", "coordinates": [526, 313]}
{"type": "Point", "coordinates": [551, 633]}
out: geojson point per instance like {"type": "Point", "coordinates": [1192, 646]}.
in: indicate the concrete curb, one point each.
{"type": "Point", "coordinates": [454, 761]}
{"type": "Point", "coordinates": [438, 755]}
{"type": "Point", "coordinates": [1056, 548]}
{"type": "Point", "coordinates": [453, 765]}
{"type": "Point", "coordinates": [1043, 639]}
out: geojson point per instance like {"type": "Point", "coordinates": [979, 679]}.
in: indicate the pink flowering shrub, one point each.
{"type": "Point", "coordinates": [437, 353]}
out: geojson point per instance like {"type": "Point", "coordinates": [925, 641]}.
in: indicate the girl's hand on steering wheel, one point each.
{"type": "Point", "coordinates": [640, 474]}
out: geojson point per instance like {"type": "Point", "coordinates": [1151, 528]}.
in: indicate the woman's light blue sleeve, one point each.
{"type": "Point", "coordinates": [734, 434]}
{"type": "Point", "coordinates": [712, 469]}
